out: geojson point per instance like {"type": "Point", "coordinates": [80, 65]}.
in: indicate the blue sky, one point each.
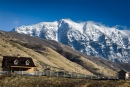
{"type": "Point", "coordinates": [14, 13]}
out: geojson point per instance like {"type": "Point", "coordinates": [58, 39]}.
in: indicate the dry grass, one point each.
{"type": "Point", "coordinates": [47, 57]}
{"type": "Point", "coordinates": [34, 81]}
{"type": "Point", "coordinates": [42, 81]}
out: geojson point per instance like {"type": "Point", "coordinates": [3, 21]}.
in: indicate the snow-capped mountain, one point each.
{"type": "Point", "coordinates": [89, 37]}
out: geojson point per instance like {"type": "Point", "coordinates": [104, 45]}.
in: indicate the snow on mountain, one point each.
{"type": "Point", "coordinates": [88, 37]}
{"type": "Point", "coordinates": [47, 30]}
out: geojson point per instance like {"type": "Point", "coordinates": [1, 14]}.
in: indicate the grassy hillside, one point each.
{"type": "Point", "coordinates": [48, 53]}
{"type": "Point", "coordinates": [43, 58]}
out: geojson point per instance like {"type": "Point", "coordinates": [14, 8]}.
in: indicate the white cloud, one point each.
{"type": "Point", "coordinates": [120, 27]}
{"type": "Point", "coordinates": [16, 23]}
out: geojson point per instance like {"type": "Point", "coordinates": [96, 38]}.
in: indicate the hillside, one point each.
{"type": "Point", "coordinates": [49, 53]}
{"type": "Point", "coordinates": [47, 57]}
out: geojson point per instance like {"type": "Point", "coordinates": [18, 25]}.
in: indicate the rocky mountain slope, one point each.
{"type": "Point", "coordinates": [89, 37]}
{"type": "Point", "coordinates": [49, 53]}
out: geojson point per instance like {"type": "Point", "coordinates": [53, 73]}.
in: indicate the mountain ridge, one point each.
{"type": "Point", "coordinates": [89, 37]}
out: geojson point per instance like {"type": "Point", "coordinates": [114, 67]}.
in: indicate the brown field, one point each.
{"type": "Point", "coordinates": [43, 81]}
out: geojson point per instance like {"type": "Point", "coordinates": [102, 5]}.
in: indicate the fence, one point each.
{"type": "Point", "coordinates": [4, 72]}
{"type": "Point", "coordinates": [54, 74]}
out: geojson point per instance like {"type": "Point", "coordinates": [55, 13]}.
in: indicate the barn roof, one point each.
{"type": "Point", "coordinates": [21, 61]}
{"type": "Point", "coordinates": [123, 71]}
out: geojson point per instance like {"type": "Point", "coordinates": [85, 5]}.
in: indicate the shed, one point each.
{"type": "Point", "coordinates": [122, 74]}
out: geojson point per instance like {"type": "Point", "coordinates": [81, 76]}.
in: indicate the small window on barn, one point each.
{"type": "Point", "coordinates": [27, 62]}
{"type": "Point", "coordinates": [16, 62]}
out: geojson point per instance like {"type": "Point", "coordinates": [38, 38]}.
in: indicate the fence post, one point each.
{"type": "Point", "coordinates": [64, 73]}
{"type": "Point", "coordinates": [77, 75]}
{"type": "Point", "coordinates": [50, 73]}
{"type": "Point", "coordinates": [57, 74]}
{"type": "Point", "coordinates": [84, 76]}
{"type": "Point", "coordinates": [98, 76]}
{"type": "Point", "coordinates": [91, 77]}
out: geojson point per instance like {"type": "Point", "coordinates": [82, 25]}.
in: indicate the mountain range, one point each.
{"type": "Point", "coordinates": [91, 38]}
